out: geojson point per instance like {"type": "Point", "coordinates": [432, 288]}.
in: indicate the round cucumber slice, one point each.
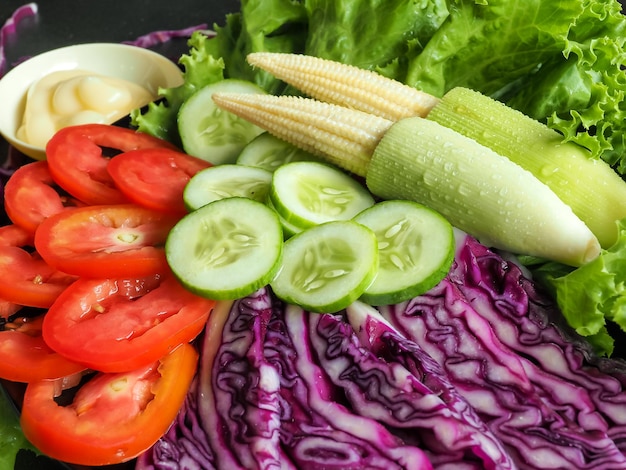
{"type": "Point", "coordinates": [416, 249]}
{"type": "Point", "coordinates": [210, 133]}
{"type": "Point", "coordinates": [227, 249]}
{"type": "Point", "coordinates": [269, 152]}
{"type": "Point", "coordinates": [327, 267]}
{"type": "Point", "coordinates": [311, 193]}
{"type": "Point", "coordinates": [229, 180]}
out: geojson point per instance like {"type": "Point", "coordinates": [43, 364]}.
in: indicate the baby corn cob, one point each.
{"type": "Point", "coordinates": [477, 190]}
{"type": "Point", "coordinates": [589, 186]}
{"type": "Point", "coordinates": [346, 85]}
{"type": "Point", "coordinates": [342, 136]}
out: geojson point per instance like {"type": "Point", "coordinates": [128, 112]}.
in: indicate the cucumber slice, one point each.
{"type": "Point", "coordinates": [229, 180]}
{"type": "Point", "coordinates": [416, 248]}
{"type": "Point", "coordinates": [311, 193]}
{"type": "Point", "coordinates": [210, 133]}
{"type": "Point", "coordinates": [327, 267]}
{"type": "Point", "coordinates": [289, 229]}
{"type": "Point", "coordinates": [269, 152]}
{"type": "Point", "coordinates": [227, 249]}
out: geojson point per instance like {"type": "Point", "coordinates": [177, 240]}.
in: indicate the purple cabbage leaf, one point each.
{"type": "Point", "coordinates": [505, 349]}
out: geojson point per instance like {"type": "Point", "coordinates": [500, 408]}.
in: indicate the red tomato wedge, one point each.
{"type": "Point", "coordinates": [26, 279]}
{"type": "Point", "coordinates": [113, 417]}
{"type": "Point", "coordinates": [141, 174]}
{"type": "Point", "coordinates": [123, 324]}
{"type": "Point", "coordinates": [123, 240]}
{"type": "Point", "coordinates": [25, 355]}
{"type": "Point", "coordinates": [78, 163]}
{"type": "Point", "coordinates": [30, 196]}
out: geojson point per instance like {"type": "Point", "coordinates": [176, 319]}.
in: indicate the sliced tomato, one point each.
{"type": "Point", "coordinates": [14, 235]}
{"type": "Point", "coordinates": [123, 240]}
{"type": "Point", "coordinates": [24, 276]}
{"type": "Point", "coordinates": [78, 163]}
{"type": "Point", "coordinates": [31, 195]}
{"type": "Point", "coordinates": [123, 324]}
{"type": "Point", "coordinates": [113, 417]}
{"type": "Point", "coordinates": [25, 357]}
{"type": "Point", "coordinates": [140, 175]}
{"type": "Point", "coordinates": [26, 279]}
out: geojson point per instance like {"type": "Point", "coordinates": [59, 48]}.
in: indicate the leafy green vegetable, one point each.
{"type": "Point", "coordinates": [200, 69]}
{"type": "Point", "coordinates": [592, 295]}
{"type": "Point", "coordinates": [372, 34]}
{"type": "Point", "coordinates": [561, 62]}
{"type": "Point", "coordinates": [11, 437]}
{"type": "Point", "coordinates": [262, 25]}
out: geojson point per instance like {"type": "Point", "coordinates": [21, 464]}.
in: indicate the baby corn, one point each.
{"type": "Point", "coordinates": [416, 159]}
{"type": "Point", "coordinates": [589, 186]}
{"type": "Point", "coordinates": [346, 85]}
{"type": "Point", "coordinates": [342, 136]}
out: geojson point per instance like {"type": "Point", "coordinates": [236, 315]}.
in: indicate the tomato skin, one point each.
{"type": "Point", "coordinates": [123, 240]}
{"type": "Point", "coordinates": [26, 279]}
{"type": "Point", "coordinates": [77, 163]}
{"type": "Point", "coordinates": [30, 196]}
{"type": "Point", "coordinates": [140, 175]}
{"type": "Point", "coordinates": [27, 358]}
{"type": "Point", "coordinates": [14, 235]}
{"type": "Point", "coordinates": [121, 415]}
{"type": "Point", "coordinates": [123, 324]}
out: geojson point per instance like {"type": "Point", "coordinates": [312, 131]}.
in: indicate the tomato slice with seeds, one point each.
{"type": "Point", "coordinates": [123, 323]}
{"type": "Point", "coordinates": [140, 174]}
{"type": "Point", "coordinates": [29, 266]}
{"type": "Point", "coordinates": [113, 417]}
{"type": "Point", "coordinates": [31, 195]}
{"type": "Point", "coordinates": [25, 355]}
{"type": "Point", "coordinates": [123, 240]}
{"type": "Point", "coordinates": [77, 161]}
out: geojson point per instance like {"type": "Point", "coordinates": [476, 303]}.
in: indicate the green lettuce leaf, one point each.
{"type": "Point", "coordinates": [592, 295]}
{"type": "Point", "coordinates": [560, 62]}
{"type": "Point", "coordinates": [372, 34]}
{"type": "Point", "coordinates": [200, 68]}
{"type": "Point", "coordinates": [261, 25]}
{"type": "Point", "coordinates": [11, 437]}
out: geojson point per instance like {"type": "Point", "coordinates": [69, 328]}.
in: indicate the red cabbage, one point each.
{"type": "Point", "coordinates": [320, 431]}
{"type": "Point", "coordinates": [157, 38]}
{"type": "Point", "coordinates": [9, 28]}
{"type": "Point", "coordinates": [396, 382]}
{"type": "Point", "coordinates": [501, 345]}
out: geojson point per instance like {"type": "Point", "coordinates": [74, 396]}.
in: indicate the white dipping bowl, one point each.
{"type": "Point", "coordinates": [135, 64]}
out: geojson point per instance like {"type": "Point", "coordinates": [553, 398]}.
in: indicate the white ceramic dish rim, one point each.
{"type": "Point", "coordinates": [137, 64]}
